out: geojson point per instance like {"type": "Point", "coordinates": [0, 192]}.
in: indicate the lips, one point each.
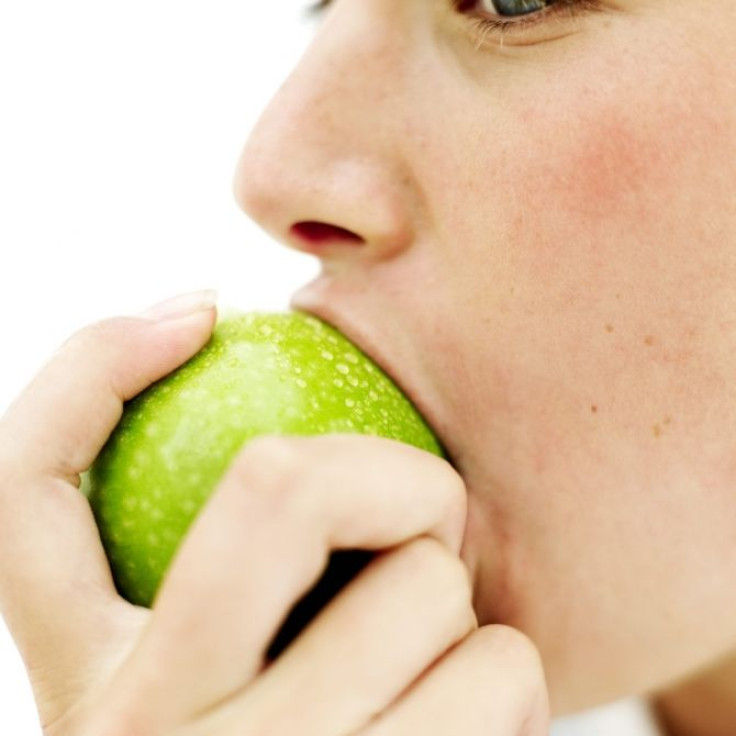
{"type": "Point", "coordinates": [308, 302]}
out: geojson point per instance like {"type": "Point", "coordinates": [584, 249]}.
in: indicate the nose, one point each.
{"type": "Point", "coordinates": [322, 170]}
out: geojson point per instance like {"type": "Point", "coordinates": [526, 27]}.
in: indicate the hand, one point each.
{"type": "Point", "coordinates": [398, 651]}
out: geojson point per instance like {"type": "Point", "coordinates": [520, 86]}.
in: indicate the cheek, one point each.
{"type": "Point", "coordinates": [595, 209]}
{"type": "Point", "coordinates": [622, 226]}
{"type": "Point", "coordinates": [611, 168]}
{"type": "Point", "coordinates": [626, 173]}
{"type": "Point", "coordinates": [589, 247]}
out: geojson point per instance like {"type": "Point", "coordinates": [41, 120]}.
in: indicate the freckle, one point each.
{"type": "Point", "coordinates": [609, 327]}
{"type": "Point", "coordinates": [667, 420]}
{"type": "Point", "coordinates": [657, 430]}
{"type": "Point", "coordinates": [649, 340]}
{"type": "Point", "coordinates": [594, 409]}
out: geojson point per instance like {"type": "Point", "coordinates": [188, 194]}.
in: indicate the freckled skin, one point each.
{"type": "Point", "coordinates": [549, 251]}
{"type": "Point", "coordinates": [259, 374]}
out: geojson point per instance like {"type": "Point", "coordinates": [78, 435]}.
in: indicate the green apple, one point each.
{"type": "Point", "coordinates": [261, 373]}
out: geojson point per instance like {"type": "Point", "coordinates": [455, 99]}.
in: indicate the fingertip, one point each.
{"type": "Point", "coordinates": [182, 306]}
{"type": "Point", "coordinates": [202, 320]}
{"type": "Point", "coordinates": [169, 344]}
{"type": "Point", "coordinates": [186, 321]}
{"type": "Point", "coordinates": [196, 325]}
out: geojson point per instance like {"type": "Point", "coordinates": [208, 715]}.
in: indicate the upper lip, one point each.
{"type": "Point", "coordinates": [363, 339]}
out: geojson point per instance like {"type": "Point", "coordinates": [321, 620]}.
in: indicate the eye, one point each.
{"type": "Point", "coordinates": [524, 22]}
{"type": "Point", "coordinates": [512, 8]}
{"type": "Point", "coordinates": [504, 8]}
{"type": "Point", "coordinates": [529, 21]}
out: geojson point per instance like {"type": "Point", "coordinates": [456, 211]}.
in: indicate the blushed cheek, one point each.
{"type": "Point", "coordinates": [623, 176]}
{"type": "Point", "coordinates": [607, 252]}
{"type": "Point", "coordinates": [613, 170]}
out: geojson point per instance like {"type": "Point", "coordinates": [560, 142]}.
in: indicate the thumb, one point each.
{"type": "Point", "coordinates": [55, 582]}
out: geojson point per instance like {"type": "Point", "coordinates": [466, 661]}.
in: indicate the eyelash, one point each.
{"type": "Point", "coordinates": [558, 11]}
{"type": "Point", "coordinates": [483, 27]}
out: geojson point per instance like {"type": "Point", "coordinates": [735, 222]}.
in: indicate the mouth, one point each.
{"type": "Point", "coordinates": [368, 343]}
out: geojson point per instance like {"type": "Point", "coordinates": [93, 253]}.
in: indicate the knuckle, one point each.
{"type": "Point", "coordinates": [515, 647]}
{"type": "Point", "coordinates": [268, 463]}
{"type": "Point", "coordinates": [455, 498]}
{"type": "Point", "coordinates": [442, 574]}
{"type": "Point", "coordinates": [452, 480]}
{"type": "Point", "coordinates": [438, 563]}
{"type": "Point", "coordinates": [497, 646]}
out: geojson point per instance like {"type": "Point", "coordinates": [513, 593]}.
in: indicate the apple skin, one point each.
{"type": "Point", "coordinates": [261, 373]}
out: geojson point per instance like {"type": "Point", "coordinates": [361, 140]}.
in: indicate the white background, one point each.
{"type": "Point", "coordinates": [120, 130]}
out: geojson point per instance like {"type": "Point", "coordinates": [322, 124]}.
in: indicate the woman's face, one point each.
{"type": "Point", "coordinates": [534, 231]}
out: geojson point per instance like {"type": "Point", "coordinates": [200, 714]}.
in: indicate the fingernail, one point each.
{"type": "Point", "coordinates": [182, 305]}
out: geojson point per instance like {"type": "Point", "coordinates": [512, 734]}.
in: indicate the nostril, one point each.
{"type": "Point", "coordinates": [321, 233]}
